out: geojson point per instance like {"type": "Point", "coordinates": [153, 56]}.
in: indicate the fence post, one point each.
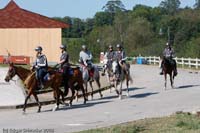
{"type": "Point", "coordinates": [189, 62]}
{"type": "Point", "coordinates": [154, 60]}
{"type": "Point", "coordinates": [182, 62]}
{"type": "Point", "coordinates": [196, 63]}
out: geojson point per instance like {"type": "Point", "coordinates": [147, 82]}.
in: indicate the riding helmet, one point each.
{"type": "Point", "coordinates": [38, 48]}
{"type": "Point", "coordinates": [63, 46]}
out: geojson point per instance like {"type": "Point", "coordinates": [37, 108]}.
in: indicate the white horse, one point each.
{"type": "Point", "coordinates": [120, 73]}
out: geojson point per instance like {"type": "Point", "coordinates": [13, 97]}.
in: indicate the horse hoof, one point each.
{"type": "Point", "coordinates": [24, 113]}
{"type": "Point", "coordinates": [127, 94]}
{"type": "Point", "coordinates": [54, 109]}
{"type": "Point", "coordinates": [120, 97]}
{"type": "Point", "coordinates": [101, 95]}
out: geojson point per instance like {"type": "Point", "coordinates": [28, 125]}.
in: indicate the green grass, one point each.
{"type": "Point", "coordinates": [180, 123]}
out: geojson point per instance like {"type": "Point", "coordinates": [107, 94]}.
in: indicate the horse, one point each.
{"type": "Point", "coordinates": [168, 68]}
{"type": "Point", "coordinates": [107, 72]}
{"type": "Point", "coordinates": [75, 82]}
{"type": "Point", "coordinates": [90, 77]}
{"type": "Point", "coordinates": [119, 74]}
{"type": "Point", "coordinates": [30, 82]}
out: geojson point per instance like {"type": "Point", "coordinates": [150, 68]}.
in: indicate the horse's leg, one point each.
{"type": "Point", "coordinates": [92, 89]}
{"type": "Point", "coordinates": [62, 96]}
{"type": "Point", "coordinates": [57, 98]}
{"type": "Point", "coordinates": [120, 91]}
{"type": "Point", "coordinates": [86, 90]}
{"type": "Point", "coordinates": [115, 86]}
{"type": "Point", "coordinates": [99, 86]}
{"type": "Point", "coordinates": [37, 100]}
{"type": "Point", "coordinates": [165, 75]}
{"type": "Point", "coordinates": [171, 80]}
{"type": "Point", "coordinates": [83, 92]}
{"type": "Point", "coordinates": [72, 97]}
{"type": "Point", "coordinates": [127, 85]}
{"type": "Point", "coordinates": [25, 102]}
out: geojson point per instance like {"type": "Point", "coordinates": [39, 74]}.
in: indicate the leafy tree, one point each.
{"type": "Point", "coordinates": [171, 6]}
{"type": "Point", "coordinates": [197, 4]}
{"type": "Point", "coordinates": [113, 6]}
{"type": "Point", "coordinates": [103, 18]}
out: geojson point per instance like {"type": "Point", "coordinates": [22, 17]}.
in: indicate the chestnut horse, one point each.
{"type": "Point", "coordinates": [54, 82]}
{"type": "Point", "coordinates": [168, 68]}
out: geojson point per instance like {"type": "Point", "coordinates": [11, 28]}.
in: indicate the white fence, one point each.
{"type": "Point", "coordinates": [189, 62]}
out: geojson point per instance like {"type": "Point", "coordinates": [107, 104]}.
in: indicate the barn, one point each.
{"type": "Point", "coordinates": [21, 31]}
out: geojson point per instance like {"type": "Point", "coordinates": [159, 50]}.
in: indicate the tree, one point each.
{"type": "Point", "coordinates": [103, 18]}
{"type": "Point", "coordinates": [171, 6]}
{"type": "Point", "coordinates": [197, 4]}
{"type": "Point", "coordinates": [113, 6]}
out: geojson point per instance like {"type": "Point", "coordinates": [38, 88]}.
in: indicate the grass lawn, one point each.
{"type": "Point", "coordinates": [180, 123]}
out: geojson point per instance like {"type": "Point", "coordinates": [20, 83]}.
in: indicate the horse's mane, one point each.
{"type": "Point", "coordinates": [22, 72]}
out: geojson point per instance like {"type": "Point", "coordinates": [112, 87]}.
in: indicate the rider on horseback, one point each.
{"type": "Point", "coordinates": [121, 57]}
{"type": "Point", "coordinates": [85, 59]}
{"type": "Point", "coordinates": [168, 54]}
{"type": "Point", "coordinates": [64, 65]}
{"type": "Point", "coordinates": [41, 66]}
{"type": "Point", "coordinates": [110, 55]}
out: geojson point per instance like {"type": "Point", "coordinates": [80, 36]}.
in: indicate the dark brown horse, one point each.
{"type": "Point", "coordinates": [168, 68]}
{"type": "Point", "coordinates": [55, 82]}
{"type": "Point", "coordinates": [75, 83]}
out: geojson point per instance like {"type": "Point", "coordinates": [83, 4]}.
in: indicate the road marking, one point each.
{"type": "Point", "coordinates": [74, 124]}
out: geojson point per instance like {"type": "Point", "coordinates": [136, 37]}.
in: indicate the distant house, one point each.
{"type": "Point", "coordinates": [21, 31]}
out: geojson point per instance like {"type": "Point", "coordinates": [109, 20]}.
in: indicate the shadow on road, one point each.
{"type": "Point", "coordinates": [77, 106]}
{"type": "Point", "coordinates": [135, 88]}
{"type": "Point", "coordinates": [143, 95]}
{"type": "Point", "coordinates": [186, 86]}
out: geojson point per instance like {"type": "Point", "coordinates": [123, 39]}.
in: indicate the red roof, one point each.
{"type": "Point", "coordinates": [12, 16]}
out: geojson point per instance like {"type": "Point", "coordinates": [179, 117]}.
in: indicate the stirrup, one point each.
{"type": "Point", "coordinates": [161, 73]}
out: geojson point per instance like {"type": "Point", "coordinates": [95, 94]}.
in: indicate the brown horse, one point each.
{"type": "Point", "coordinates": [168, 68]}
{"type": "Point", "coordinates": [54, 82]}
{"type": "Point", "coordinates": [75, 83]}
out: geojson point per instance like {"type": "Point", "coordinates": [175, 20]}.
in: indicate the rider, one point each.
{"type": "Point", "coordinates": [64, 65]}
{"type": "Point", "coordinates": [168, 54]}
{"type": "Point", "coordinates": [120, 56]}
{"type": "Point", "coordinates": [40, 65]}
{"type": "Point", "coordinates": [110, 55]}
{"type": "Point", "coordinates": [85, 59]}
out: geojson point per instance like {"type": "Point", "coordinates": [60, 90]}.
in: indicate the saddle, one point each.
{"type": "Point", "coordinates": [169, 61]}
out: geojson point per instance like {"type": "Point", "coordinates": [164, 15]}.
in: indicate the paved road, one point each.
{"type": "Point", "coordinates": [148, 99]}
{"type": "Point", "coordinates": [11, 93]}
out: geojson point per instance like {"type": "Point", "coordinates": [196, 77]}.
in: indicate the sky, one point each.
{"type": "Point", "coordinates": [79, 8]}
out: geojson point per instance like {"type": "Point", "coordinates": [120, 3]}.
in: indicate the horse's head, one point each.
{"type": "Point", "coordinates": [115, 67]}
{"type": "Point", "coordinates": [11, 72]}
